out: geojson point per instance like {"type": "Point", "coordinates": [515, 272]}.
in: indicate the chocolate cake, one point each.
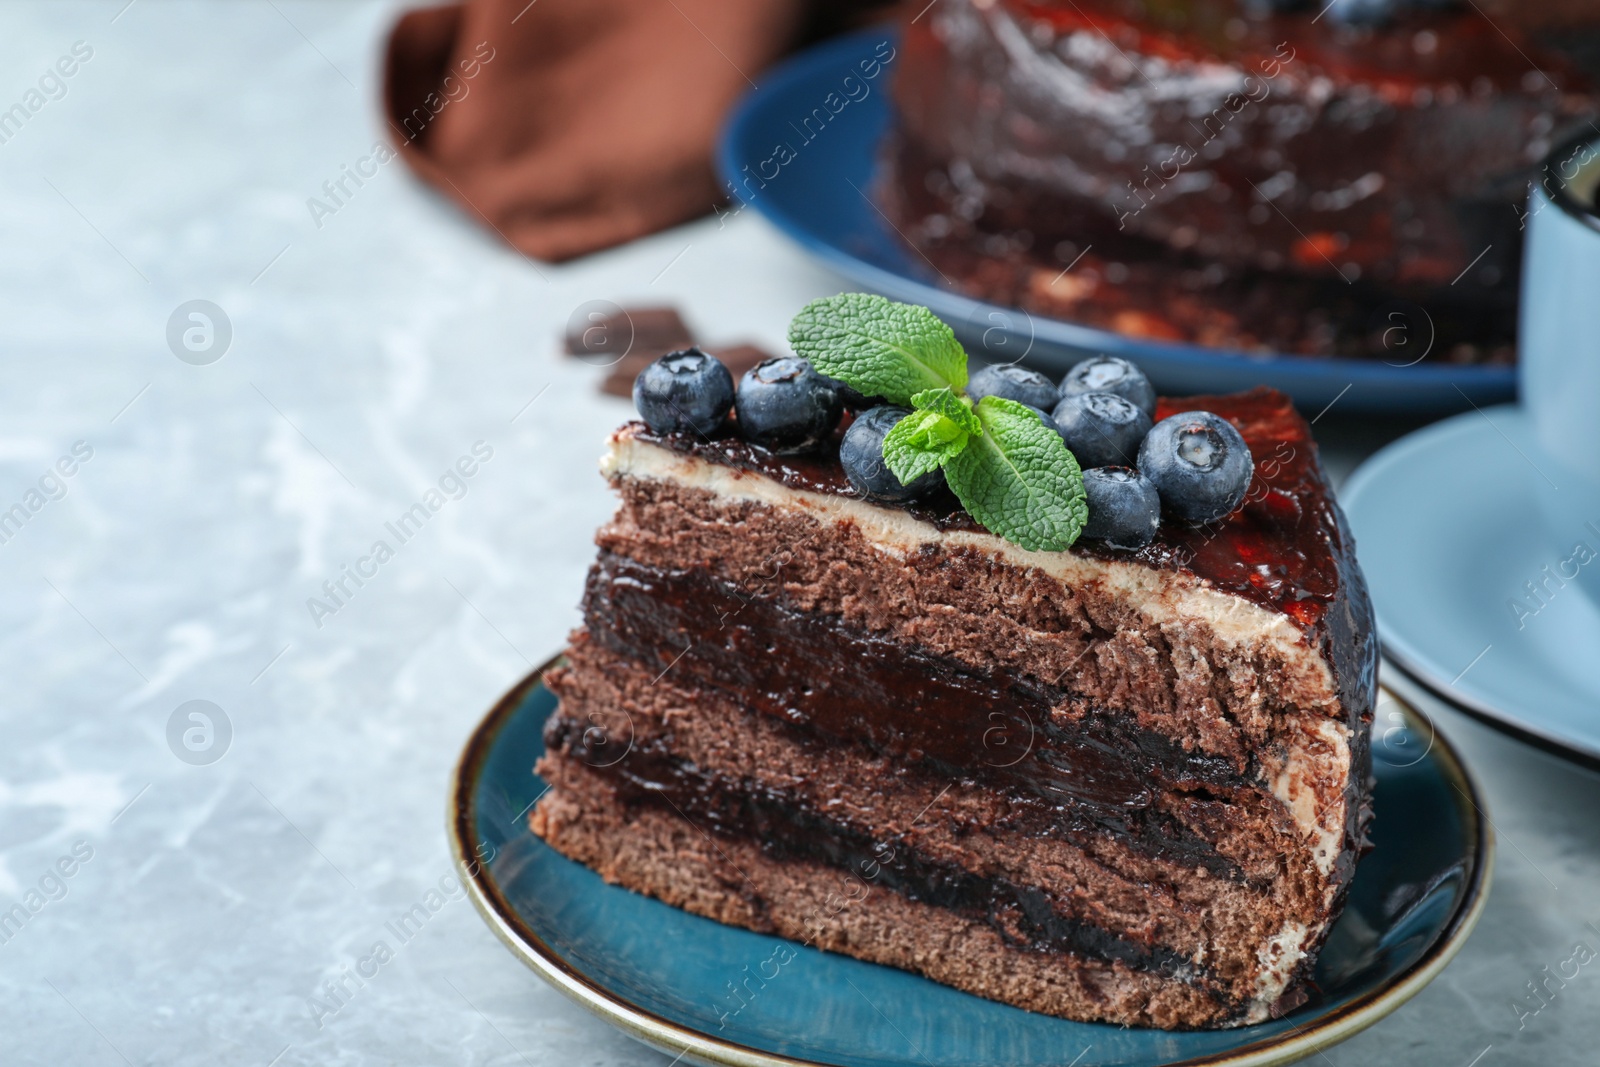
{"type": "Point", "coordinates": [1104, 784]}
{"type": "Point", "coordinates": [1265, 176]}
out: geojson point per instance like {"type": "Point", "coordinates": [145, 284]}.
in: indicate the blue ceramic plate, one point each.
{"type": "Point", "coordinates": [819, 198]}
{"type": "Point", "coordinates": [662, 974]}
{"type": "Point", "coordinates": [1447, 523]}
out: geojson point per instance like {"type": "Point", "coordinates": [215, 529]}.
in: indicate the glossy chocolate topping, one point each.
{"type": "Point", "coordinates": [1385, 57]}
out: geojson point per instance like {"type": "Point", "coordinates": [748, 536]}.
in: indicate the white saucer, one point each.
{"type": "Point", "coordinates": [1448, 533]}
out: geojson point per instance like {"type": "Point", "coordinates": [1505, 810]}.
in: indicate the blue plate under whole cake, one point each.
{"type": "Point", "coordinates": [814, 181]}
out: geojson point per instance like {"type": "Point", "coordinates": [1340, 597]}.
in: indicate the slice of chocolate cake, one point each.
{"type": "Point", "coordinates": [1108, 784]}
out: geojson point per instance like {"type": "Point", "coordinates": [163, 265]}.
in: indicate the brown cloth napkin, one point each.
{"type": "Point", "coordinates": [569, 126]}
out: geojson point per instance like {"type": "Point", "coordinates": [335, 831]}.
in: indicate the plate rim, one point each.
{"type": "Point", "coordinates": [1411, 665]}
{"type": "Point", "coordinates": [1542, 740]}
{"type": "Point", "coordinates": [800, 66]}
{"type": "Point", "coordinates": [673, 1038]}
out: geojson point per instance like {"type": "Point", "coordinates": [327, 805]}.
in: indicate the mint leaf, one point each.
{"type": "Point", "coordinates": [952, 407]}
{"type": "Point", "coordinates": [879, 347]}
{"type": "Point", "coordinates": [922, 442]}
{"type": "Point", "coordinates": [1018, 479]}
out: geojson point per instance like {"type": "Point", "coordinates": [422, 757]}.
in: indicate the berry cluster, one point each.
{"type": "Point", "coordinates": [1194, 467]}
{"type": "Point", "coordinates": [781, 403]}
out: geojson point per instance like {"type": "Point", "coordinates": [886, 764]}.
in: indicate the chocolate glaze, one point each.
{"type": "Point", "coordinates": [1383, 57]}
{"type": "Point", "coordinates": [1135, 286]}
{"type": "Point", "coordinates": [1070, 778]}
{"type": "Point", "coordinates": [786, 827]}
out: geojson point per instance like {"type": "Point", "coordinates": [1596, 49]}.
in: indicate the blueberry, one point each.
{"type": "Point", "coordinates": [1014, 383]}
{"type": "Point", "coordinates": [1101, 429]}
{"type": "Point", "coordinates": [851, 397]}
{"type": "Point", "coordinates": [686, 390]}
{"type": "Point", "coordinates": [1198, 463]}
{"type": "Point", "coordinates": [1044, 417]}
{"type": "Point", "coordinates": [1109, 374]}
{"type": "Point", "coordinates": [785, 405]}
{"type": "Point", "coordinates": [861, 454]}
{"type": "Point", "coordinates": [1124, 508]}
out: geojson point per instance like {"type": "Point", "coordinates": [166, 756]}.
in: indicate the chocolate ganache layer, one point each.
{"type": "Point", "coordinates": [787, 828]}
{"type": "Point", "coordinates": [1095, 772]}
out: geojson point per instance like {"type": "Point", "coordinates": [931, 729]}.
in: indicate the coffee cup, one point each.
{"type": "Point", "coordinates": [1558, 343]}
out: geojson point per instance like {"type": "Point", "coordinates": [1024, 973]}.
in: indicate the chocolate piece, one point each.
{"type": "Point", "coordinates": [649, 332]}
{"type": "Point", "coordinates": [740, 358]}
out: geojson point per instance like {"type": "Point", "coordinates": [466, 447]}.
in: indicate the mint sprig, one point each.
{"type": "Point", "coordinates": [879, 347]}
{"type": "Point", "coordinates": [921, 443]}
{"type": "Point", "coordinates": [1018, 479]}
{"type": "Point", "coordinates": [1011, 471]}
{"type": "Point", "coordinates": [955, 408]}
{"type": "Point", "coordinates": [931, 436]}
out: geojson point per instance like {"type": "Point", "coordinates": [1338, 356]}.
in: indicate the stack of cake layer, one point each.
{"type": "Point", "coordinates": [1120, 786]}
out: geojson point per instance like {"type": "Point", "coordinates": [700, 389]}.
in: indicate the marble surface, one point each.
{"type": "Point", "coordinates": [188, 886]}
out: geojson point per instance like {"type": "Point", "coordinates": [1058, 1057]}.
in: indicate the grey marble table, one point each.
{"type": "Point", "coordinates": [181, 908]}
